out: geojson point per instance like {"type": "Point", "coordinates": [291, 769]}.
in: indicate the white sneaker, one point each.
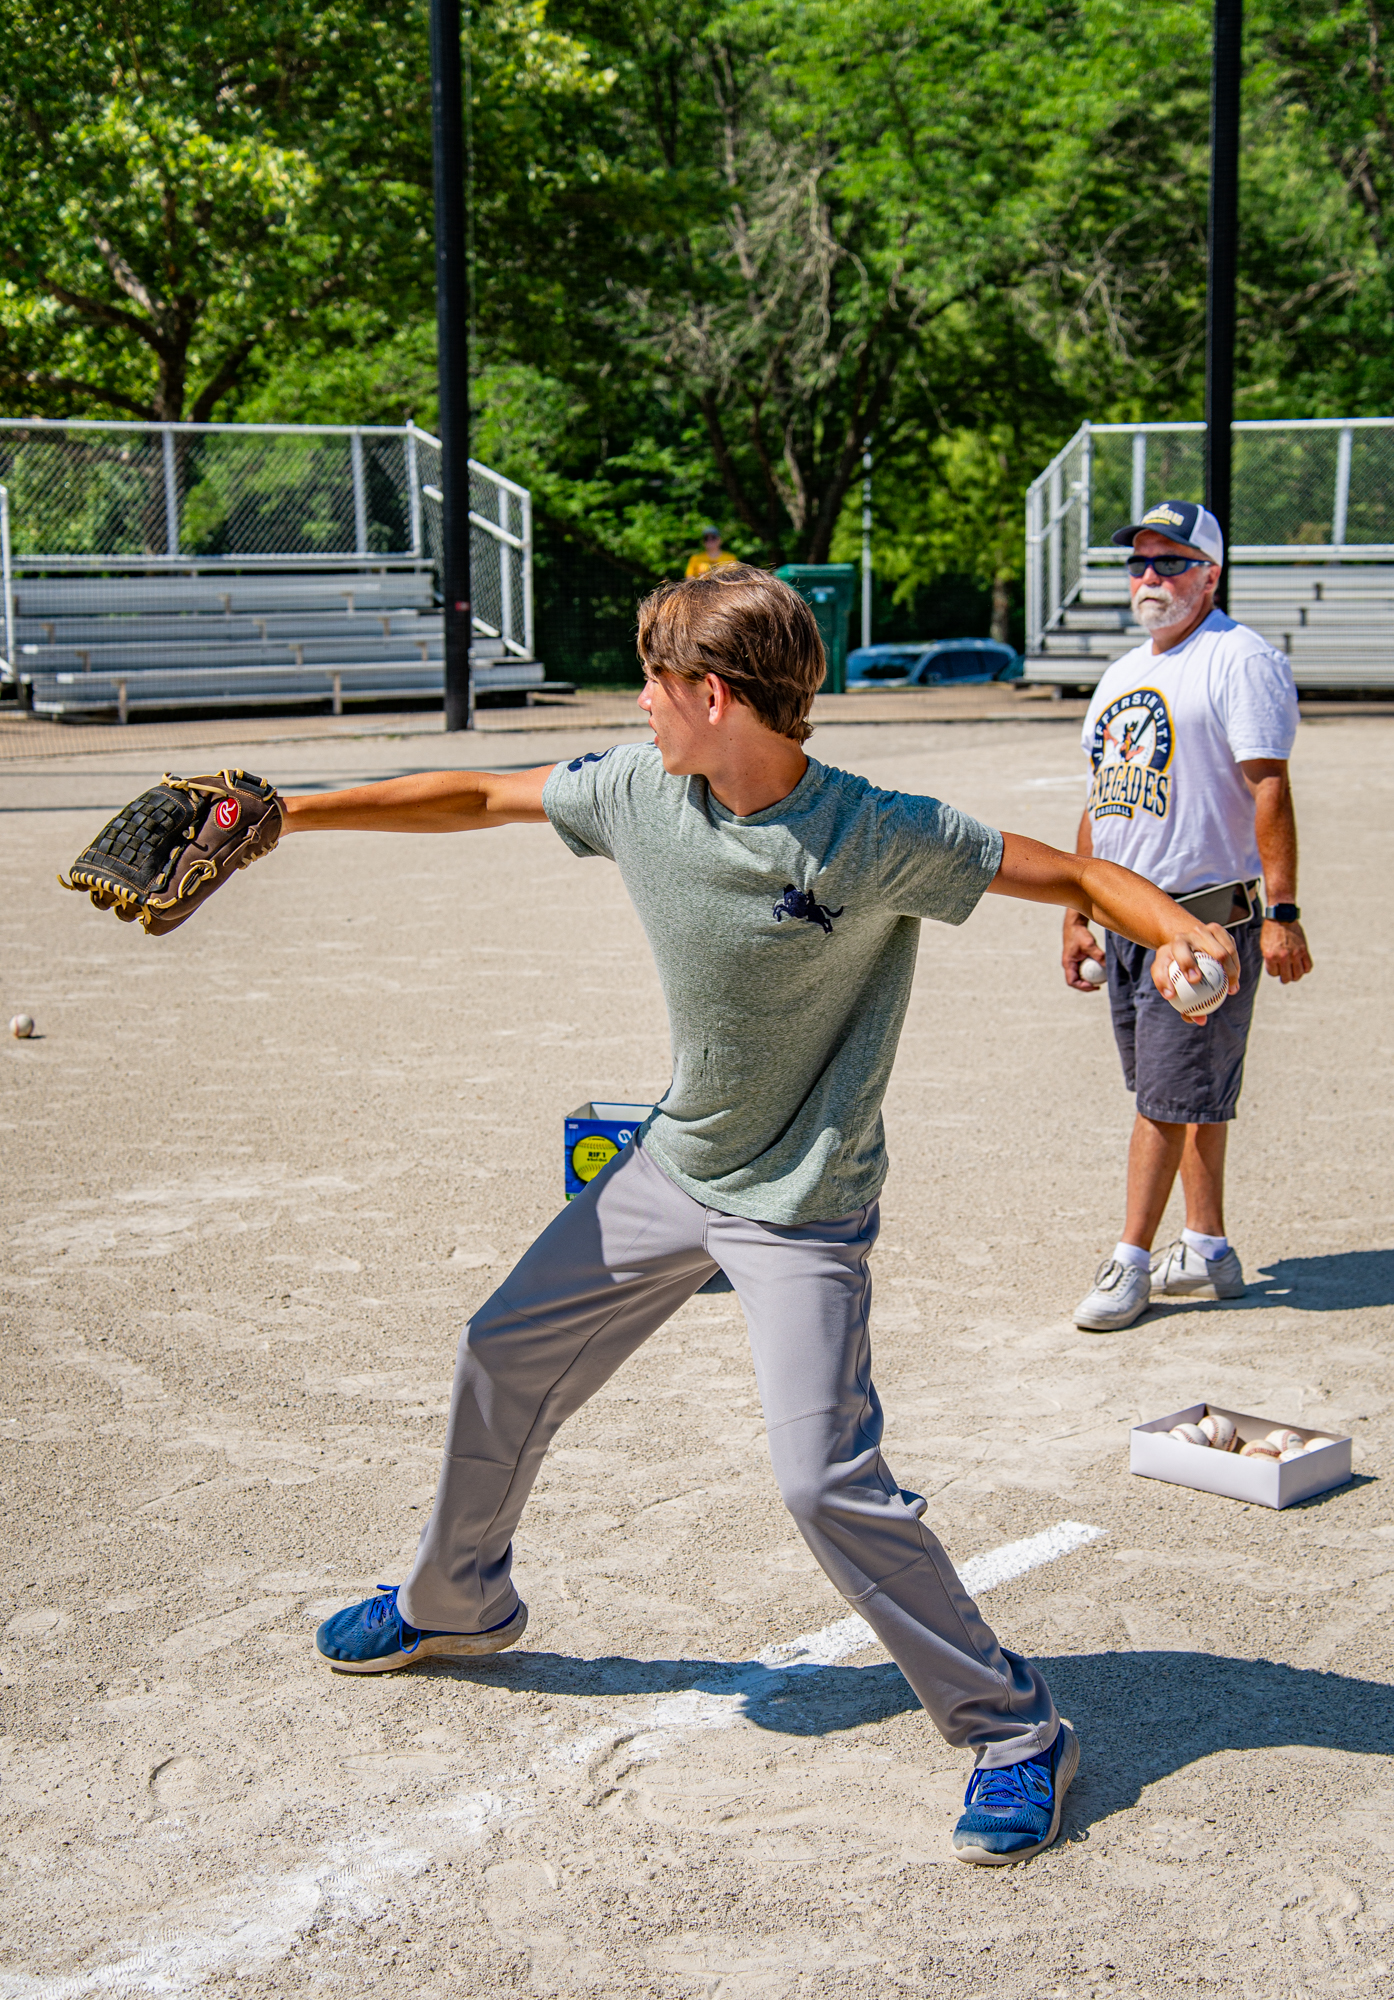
{"type": "Point", "coordinates": [1180, 1270]}
{"type": "Point", "coordinates": [1121, 1294]}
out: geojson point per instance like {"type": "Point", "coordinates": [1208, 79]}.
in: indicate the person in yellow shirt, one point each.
{"type": "Point", "coordinates": [712, 555]}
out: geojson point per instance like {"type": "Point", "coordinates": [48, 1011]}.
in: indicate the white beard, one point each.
{"type": "Point", "coordinates": [1153, 611]}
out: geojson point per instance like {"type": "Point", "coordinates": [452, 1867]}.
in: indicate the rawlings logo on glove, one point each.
{"type": "Point", "coordinates": [168, 850]}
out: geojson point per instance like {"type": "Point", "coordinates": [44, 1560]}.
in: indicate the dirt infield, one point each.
{"type": "Point", "coordinates": [259, 1172]}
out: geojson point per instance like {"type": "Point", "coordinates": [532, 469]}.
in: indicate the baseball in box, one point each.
{"type": "Point", "coordinates": [594, 1134]}
{"type": "Point", "coordinates": [1323, 1462]}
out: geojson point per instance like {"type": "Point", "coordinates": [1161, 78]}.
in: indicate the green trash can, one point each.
{"type": "Point", "coordinates": [829, 588]}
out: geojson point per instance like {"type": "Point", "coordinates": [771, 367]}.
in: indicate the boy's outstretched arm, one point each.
{"type": "Point", "coordinates": [424, 802]}
{"type": "Point", "coordinates": [1116, 898]}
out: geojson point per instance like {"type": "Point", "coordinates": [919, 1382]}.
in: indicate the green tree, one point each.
{"type": "Point", "coordinates": [193, 190]}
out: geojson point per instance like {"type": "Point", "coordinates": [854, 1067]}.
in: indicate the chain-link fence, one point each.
{"type": "Point", "coordinates": [7, 590]}
{"type": "Point", "coordinates": [1309, 490]}
{"type": "Point", "coordinates": [164, 564]}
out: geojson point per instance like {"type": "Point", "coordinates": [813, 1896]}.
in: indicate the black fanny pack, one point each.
{"type": "Point", "coordinates": [1230, 904]}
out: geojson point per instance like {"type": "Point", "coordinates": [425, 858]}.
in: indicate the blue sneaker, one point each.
{"type": "Point", "coordinates": [1013, 1813]}
{"type": "Point", "coordinates": [374, 1638]}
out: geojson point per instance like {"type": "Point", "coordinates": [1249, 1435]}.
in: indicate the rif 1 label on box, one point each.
{"type": "Point", "coordinates": [594, 1134]}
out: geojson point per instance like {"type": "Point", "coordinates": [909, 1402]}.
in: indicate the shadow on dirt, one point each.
{"type": "Point", "coordinates": [1343, 1282]}
{"type": "Point", "coordinates": [1140, 1715]}
{"type": "Point", "coordinates": [1339, 1283]}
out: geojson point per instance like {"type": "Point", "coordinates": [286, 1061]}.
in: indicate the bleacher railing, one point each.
{"type": "Point", "coordinates": [112, 497]}
{"type": "Point", "coordinates": [1306, 490]}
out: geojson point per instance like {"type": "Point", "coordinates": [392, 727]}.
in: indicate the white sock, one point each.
{"type": "Point", "coordinates": [1210, 1247]}
{"type": "Point", "coordinates": [1131, 1253]}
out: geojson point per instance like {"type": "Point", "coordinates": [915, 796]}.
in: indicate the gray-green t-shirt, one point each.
{"type": "Point", "coordinates": [785, 943]}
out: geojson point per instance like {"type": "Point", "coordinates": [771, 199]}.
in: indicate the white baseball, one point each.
{"type": "Point", "coordinates": [1220, 1431]}
{"type": "Point", "coordinates": [1260, 1448]}
{"type": "Point", "coordinates": [1194, 1001]}
{"type": "Point", "coordinates": [1318, 1444]}
{"type": "Point", "coordinates": [22, 1026]}
{"type": "Point", "coordinates": [1188, 1434]}
{"type": "Point", "coordinates": [1285, 1440]}
{"type": "Point", "coordinates": [1091, 972]}
{"type": "Point", "coordinates": [1284, 1456]}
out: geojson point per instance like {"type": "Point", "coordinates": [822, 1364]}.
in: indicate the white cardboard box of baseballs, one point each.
{"type": "Point", "coordinates": [1262, 1480]}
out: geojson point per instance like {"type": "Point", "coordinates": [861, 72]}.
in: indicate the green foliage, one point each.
{"type": "Point", "coordinates": [714, 246]}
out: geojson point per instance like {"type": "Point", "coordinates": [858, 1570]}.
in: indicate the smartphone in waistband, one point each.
{"type": "Point", "coordinates": [1230, 904]}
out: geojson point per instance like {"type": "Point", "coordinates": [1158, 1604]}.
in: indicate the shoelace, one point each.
{"type": "Point", "coordinates": [1025, 1784]}
{"type": "Point", "coordinates": [383, 1607]}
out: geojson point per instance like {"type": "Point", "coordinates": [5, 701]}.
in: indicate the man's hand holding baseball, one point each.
{"type": "Point", "coordinates": [1080, 947]}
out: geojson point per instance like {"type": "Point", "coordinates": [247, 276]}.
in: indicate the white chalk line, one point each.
{"type": "Point", "coordinates": [980, 1573]}
{"type": "Point", "coordinates": [253, 1928]}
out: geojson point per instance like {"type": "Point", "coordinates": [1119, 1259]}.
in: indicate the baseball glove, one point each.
{"type": "Point", "coordinates": [167, 851]}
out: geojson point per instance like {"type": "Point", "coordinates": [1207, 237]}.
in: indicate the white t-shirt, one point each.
{"type": "Point", "coordinates": [1166, 734]}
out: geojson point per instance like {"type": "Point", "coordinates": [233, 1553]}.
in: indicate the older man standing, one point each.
{"type": "Point", "coordinates": [1188, 737]}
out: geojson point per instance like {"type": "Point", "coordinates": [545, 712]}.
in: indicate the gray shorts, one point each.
{"type": "Point", "coordinates": [1182, 1075]}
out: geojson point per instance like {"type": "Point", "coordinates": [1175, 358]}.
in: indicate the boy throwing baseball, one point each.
{"type": "Point", "coordinates": [783, 903]}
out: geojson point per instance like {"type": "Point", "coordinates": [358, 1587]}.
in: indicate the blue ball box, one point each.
{"type": "Point", "coordinates": [594, 1134]}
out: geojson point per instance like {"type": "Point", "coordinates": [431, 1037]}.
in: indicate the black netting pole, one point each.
{"type": "Point", "coordinates": [452, 344]}
{"type": "Point", "coordinates": [1224, 250]}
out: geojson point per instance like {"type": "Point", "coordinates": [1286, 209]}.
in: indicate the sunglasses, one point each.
{"type": "Point", "coordinates": [1164, 565]}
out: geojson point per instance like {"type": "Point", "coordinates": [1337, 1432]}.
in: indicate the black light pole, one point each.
{"type": "Point", "coordinates": [1224, 250]}
{"type": "Point", "coordinates": [452, 342]}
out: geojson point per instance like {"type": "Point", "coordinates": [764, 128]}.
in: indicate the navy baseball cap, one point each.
{"type": "Point", "coordinates": [1180, 521]}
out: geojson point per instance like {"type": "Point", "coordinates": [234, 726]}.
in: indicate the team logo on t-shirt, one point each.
{"type": "Point", "coordinates": [1131, 753]}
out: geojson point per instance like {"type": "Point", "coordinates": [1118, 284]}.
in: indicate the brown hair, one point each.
{"type": "Point", "coordinates": [747, 628]}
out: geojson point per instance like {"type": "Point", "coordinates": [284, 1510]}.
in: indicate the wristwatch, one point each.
{"type": "Point", "coordinates": [1281, 913]}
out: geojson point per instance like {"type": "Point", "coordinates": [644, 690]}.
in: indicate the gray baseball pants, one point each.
{"type": "Point", "coordinates": [603, 1276]}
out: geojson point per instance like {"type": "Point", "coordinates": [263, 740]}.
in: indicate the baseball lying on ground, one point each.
{"type": "Point", "coordinates": [1091, 972]}
{"type": "Point", "coordinates": [1194, 1001]}
{"type": "Point", "coordinates": [22, 1026]}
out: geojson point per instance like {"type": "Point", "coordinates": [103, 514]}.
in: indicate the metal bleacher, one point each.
{"type": "Point", "coordinates": [1316, 577]}
{"type": "Point", "coordinates": [92, 632]}
{"type": "Point", "coordinates": [1337, 628]}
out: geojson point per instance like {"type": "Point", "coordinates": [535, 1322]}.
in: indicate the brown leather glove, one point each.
{"type": "Point", "coordinates": [167, 851]}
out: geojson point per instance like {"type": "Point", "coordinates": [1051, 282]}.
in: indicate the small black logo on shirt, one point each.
{"type": "Point", "coordinates": [591, 757]}
{"type": "Point", "coordinates": [797, 903]}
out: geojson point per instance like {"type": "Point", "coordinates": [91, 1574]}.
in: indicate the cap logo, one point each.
{"type": "Point", "coordinates": [1167, 514]}
{"type": "Point", "coordinates": [227, 812]}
